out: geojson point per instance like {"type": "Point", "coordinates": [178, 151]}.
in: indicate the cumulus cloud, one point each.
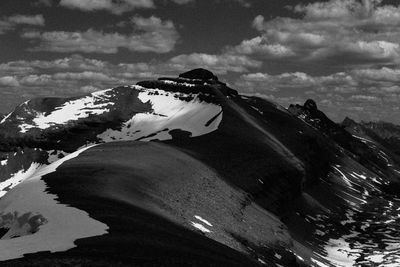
{"type": "Point", "coordinates": [260, 46]}
{"type": "Point", "coordinates": [77, 74]}
{"type": "Point", "coordinates": [300, 81]}
{"type": "Point", "coordinates": [343, 53]}
{"type": "Point", "coordinates": [365, 98]}
{"type": "Point", "coordinates": [380, 75]}
{"type": "Point", "coordinates": [244, 3]}
{"type": "Point", "coordinates": [89, 89]}
{"type": "Point", "coordinates": [369, 80]}
{"type": "Point", "coordinates": [334, 32]}
{"type": "Point", "coordinates": [216, 63]}
{"type": "Point", "coordinates": [10, 23]}
{"type": "Point", "coordinates": [366, 93]}
{"type": "Point", "coordinates": [182, 2]}
{"type": "Point", "coordinates": [9, 81]}
{"type": "Point", "coordinates": [116, 7]}
{"type": "Point", "coordinates": [148, 35]}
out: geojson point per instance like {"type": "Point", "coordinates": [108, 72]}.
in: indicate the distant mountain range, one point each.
{"type": "Point", "coordinates": [187, 172]}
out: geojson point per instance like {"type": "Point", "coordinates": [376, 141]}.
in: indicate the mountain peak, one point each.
{"type": "Point", "coordinates": [199, 74]}
{"type": "Point", "coordinates": [310, 105]}
{"type": "Point", "coordinates": [347, 122]}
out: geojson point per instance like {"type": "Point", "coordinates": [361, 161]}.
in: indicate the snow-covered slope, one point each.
{"type": "Point", "coordinates": [70, 111]}
{"type": "Point", "coordinates": [33, 220]}
{"type": "Point", "coordinates": [169, 112]}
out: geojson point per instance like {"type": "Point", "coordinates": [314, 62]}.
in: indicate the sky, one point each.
{"type": "Point", "coordinates": [344, 54]}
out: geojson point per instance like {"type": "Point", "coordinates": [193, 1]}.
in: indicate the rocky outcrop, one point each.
{"type": "Point", "coordinates": [199, 74]}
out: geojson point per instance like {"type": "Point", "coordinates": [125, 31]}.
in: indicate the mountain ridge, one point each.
{"type": "Point", "coordinates": [183, 164]}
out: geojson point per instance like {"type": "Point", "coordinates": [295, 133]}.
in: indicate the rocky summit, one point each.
{"type": "Point", "coordinates": [185, 171]}
{"type": "Point", "coordinates": [199, 74]}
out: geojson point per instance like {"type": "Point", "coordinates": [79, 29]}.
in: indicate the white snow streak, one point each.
{"type": "Point", "coordinates": [200, 227]}
{"type": "Point", "coordinates": [203, 220]}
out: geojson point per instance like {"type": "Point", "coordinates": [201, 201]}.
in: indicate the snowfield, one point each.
{"type": "Point", "coordinates": [94, 104]}
{"type": "Point", "coordinates": [169, 113]}
{"type": "Point", "coordinates": [17, 178]}
{"type": "Point", "coordinates": [37, 221]}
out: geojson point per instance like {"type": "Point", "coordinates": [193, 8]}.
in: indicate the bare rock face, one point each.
{"type": "Point", "coordinates": [199, 74]}
{"type": "Point", "coordinates": [310, 105]}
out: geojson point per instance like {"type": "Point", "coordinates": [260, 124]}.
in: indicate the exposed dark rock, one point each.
{"type": "Point", "coordinates": [200, 74]}
{"type": "Point", "coordinates": [310, 105]}
{"type": "Point", "coordinates": [348, 122]}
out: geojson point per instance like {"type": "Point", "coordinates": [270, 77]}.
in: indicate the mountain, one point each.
{"type": "Point", "coordinates": [387, 134]}
{"type": "Point", "coordinates": [187, 172]}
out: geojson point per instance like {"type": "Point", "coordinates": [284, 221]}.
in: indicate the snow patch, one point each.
{"type": "Point", "coordinates": [340, 253]}
{"type": "Point", "coordinates": [17, 178]}
{"type": "Point", "coordinates": [180, 83]}
{"type": "Point", "coordinates": [169, 113]}
{"type": "Point", "coordinates": [94, 104]}
{"type": "Point", "coordinates": [60, 225]}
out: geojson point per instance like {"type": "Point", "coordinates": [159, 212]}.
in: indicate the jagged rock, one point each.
{"type": "Point", "coordinates": [347, 122]}
{"type": "Point", "coordinates": [310, 105]}
{"type": "Point", "coordinates": [295, 109]}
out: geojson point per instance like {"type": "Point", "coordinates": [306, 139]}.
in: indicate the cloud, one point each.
{"type": "Point", "coordinates": [148, 35]}
{"type": "Point", "coordinates": [182, 2]}
{"type": "Point", "coordinates": [82, 76]}
{"type": "Point", "coordinates": [216, 63]}
{"type": "Point", "coordinates": [43, 3]}
{"type": "Point", "coordinates": [375, 81]}
{"type": "Point", "coordinates": [367, 94]}
{"type": "Point", "coordinates": [244, 3]}
{"type": "Point", "coordinates": [64, 76]}
{"type": "Point", "coordinates": [365, 98]}
{"type": "Point", "coordinates": [76, 74]}
{"type": "Point", "coordinates": [260, 46]}
{"type": "Point", "coordinates": [116, 7]}
{"type": "Point", "coordinates": [37, 20]}
{"type": "Point", "coordinates": [74, 62]}
{"type": "Point", "coordinates": [89, 89]}
{"type": "Point", "coordinates": [9, 81]}
{"type": "Point", "coordinates": [264, 82]}
{"type": "Point", "coordinates": [343, 33]}
{"type": "Point", "coordinates": [380, 75]}
{"type": "Point", "coordinates": [10, 23]}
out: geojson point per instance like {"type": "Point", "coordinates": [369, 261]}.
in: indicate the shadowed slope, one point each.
{"type": "Point", "coordinates": [151, 196]}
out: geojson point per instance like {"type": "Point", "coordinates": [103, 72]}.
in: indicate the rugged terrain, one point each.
{"type": "Point", "coordinates": [187, 172]}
